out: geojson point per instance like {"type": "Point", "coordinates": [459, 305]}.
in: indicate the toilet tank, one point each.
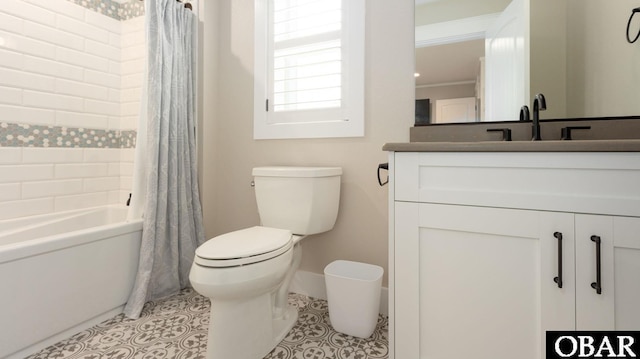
{"type": "Point", "coordinates": [303, 200]}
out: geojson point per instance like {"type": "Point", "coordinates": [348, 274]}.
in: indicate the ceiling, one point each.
{"type": "Point", "coordinates": [450, 63]}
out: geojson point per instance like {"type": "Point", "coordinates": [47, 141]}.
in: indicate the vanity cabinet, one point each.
{"type": "Point", "coordinates": [475, 242]}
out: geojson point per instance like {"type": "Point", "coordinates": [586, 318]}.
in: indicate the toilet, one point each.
{"type": "Point", "coordinates": [246, 273]}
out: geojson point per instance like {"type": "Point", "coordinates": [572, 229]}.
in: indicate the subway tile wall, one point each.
{"type": "Point", "coordinates": [117, 10]}
{"type": "Point", "coordinates": [70, 87]}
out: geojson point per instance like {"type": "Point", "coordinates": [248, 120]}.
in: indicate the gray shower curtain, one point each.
{"type": "Point", "coordinates": [166, 166]}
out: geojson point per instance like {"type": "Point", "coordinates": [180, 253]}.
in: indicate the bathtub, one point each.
{"type": "Point", "coordinates": [62, 273]}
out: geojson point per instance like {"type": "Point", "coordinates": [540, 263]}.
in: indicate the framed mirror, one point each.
{"type": "Point", "coordinates": [575, 52]}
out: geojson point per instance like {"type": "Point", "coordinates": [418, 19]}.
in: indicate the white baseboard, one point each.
{"type": "Point", "coordinates": [312, 284]}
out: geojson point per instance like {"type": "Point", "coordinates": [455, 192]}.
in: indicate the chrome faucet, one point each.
{"type": "Point", "coordinates": [539, 104]}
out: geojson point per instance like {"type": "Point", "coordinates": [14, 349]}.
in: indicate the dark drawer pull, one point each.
{"type": "Point", "coordinates": [597, 285]}
{"type": "Point", "coordinates": [558, 279]}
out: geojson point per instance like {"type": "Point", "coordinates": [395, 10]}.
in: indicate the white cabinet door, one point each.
{"type": "Point", "coordinates": [615, 305]}
{"type": "Point", "coordinates": [605, 286]}
{"type": "Point", "coordinates": [626, 269]}
{"type": "Point", "coordinates": [406, 278]}
{"type": "Point", "coordinates": [472, 282]}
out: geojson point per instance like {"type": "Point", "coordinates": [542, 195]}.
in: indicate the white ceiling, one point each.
{"type": "Point", "coordinates": [449, 63]}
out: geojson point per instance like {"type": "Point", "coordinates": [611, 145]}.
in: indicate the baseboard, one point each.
{"type": "Point", "coordinates": [312, 284]}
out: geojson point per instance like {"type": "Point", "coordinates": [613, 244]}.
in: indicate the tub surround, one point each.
{"type": "Point", "coordinates": [70, 80]}
{"type": "Point", "coordinates": [118, 10]}
{"type": "Point", "coordinates": [36, 181]}
{"type": "Point", "coordinates": [28, 135]}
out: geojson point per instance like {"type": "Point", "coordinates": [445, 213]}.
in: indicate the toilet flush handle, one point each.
{"type": "Point", "coordinates": [253, 183]}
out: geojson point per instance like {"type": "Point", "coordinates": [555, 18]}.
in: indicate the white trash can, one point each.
{"type": "Point", "coordinates": [353, 293]}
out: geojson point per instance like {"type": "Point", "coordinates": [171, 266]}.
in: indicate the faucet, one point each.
{"type": "Point", "coordinates": [539, 104]}
{"type": "Point", "coordinates": [524, 113]}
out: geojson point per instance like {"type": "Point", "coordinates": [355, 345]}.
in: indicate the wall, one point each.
{"type": "Point", "coordinates": [603, 68]}
{"type": "Point", "coordinates": [69, 98]}
{"type": "Point", "coordinates": [547, 55]}
{"type": "Point", "coordinates": [229, 151]}
{"type": "Point", "coordinates": [439, 11]}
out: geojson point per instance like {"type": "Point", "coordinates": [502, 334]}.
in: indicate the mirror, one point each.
{"type": "Point", "coordinates": [576, 53]}
{"type": "Point", "coordinates": [448, 82]}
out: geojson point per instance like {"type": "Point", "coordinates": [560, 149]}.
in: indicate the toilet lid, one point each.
{"type": "Point", "coordinates": [245, 246]}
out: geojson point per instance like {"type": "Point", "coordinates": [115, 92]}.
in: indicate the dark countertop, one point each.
{"type": "Point", "coordinates": [632, 145]}
{"type": "Point", "coordinates": [615, 134]}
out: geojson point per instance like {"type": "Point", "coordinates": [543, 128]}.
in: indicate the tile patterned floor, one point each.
{"type": "Point", "coordinates": [177, 328]}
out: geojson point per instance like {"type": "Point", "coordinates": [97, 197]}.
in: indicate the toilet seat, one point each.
{"type": "Point", "coordinates": [243, 247]}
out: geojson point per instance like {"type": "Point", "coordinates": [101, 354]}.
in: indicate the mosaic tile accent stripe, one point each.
{"type": "Point", "coordinates": [106, 7]}
{"type": "Point", "coordinates": [26, 135]}
{"type": "Point", "coordinates": [131, 9]}
{"type": "Point", "coordinates": [114, 9]}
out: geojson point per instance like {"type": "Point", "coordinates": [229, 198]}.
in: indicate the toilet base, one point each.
{"type": "Point", "coordinates": [246, 329]}
{"type": "Point", "coordinates": [282, 326]}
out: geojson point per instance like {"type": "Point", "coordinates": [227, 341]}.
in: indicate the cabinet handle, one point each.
{"type": "Point", "coordinates": [558, 279]}
{"type": "Point", "coordinates": [597, 285]}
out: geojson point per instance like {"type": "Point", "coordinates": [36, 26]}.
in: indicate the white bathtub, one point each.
{"type": "Point", "coordinates": [62, 273]}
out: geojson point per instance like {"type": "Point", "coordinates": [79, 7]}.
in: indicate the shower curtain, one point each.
{"type": "Point", "coordinates": [165, 189]}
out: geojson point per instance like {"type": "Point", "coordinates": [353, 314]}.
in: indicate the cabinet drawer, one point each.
{"type": "Point", "coordinates": [584, 182]}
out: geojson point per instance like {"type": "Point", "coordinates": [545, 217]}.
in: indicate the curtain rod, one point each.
{"type": "Point", "coordinates": [186, 5]}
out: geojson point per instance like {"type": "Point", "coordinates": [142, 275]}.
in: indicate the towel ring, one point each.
{"type": "Point", "coordinates": [633, 12]}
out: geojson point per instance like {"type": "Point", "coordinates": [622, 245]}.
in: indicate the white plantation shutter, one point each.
{"type": "Point", "coordinates": [306, 65]}
{"type": "Point", "coordinates": [307, 77]}
{"type": "Point", "coordinates": [309, 68]}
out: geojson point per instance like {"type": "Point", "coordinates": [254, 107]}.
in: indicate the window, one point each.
{"type": "Point", "coordinates": [309, 69]}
